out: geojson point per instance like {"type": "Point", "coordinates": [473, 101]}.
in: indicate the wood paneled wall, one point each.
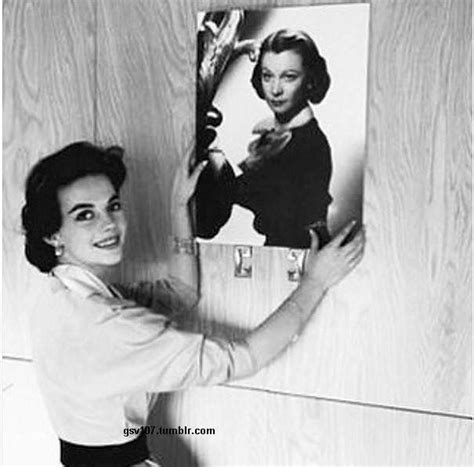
{"type": "Point", "coordinates": [255, 428]}
{"type": "Point", "coordinates": [145, 101]}
{"type": "Point", "coordinates": [396, 333]}
{"type": "Point", "coordinates": [398, 330]}
{"type": "Point", "coordinates": [48, 101]}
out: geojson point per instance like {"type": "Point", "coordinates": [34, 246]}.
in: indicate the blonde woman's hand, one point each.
{"type": "Point", "coordinates": [184, 183]}
{"type": "Point", "coordinates": [332, 263]}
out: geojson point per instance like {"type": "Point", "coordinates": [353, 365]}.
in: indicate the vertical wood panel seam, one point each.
{"type": "Point", "coordinates": [368, 100]}
{"type": "Point", "coordinates": [96, 73]}
{"type": "Point", "coordinates": [351, 402]}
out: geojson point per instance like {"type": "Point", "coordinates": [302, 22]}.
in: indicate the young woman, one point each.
{"type": "Point", "coordinates": [285, 179]}
{"type": "Point", "coordinates": [98, 353]}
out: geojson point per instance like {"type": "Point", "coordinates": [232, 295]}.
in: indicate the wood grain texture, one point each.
{"type": "Point", "coordinates": [48, 94]}
{"type": "Point", "coordinates": [398, 331]}
{"type": "Point", "coordinates": [216, 5]}
{"type": "Point", "coordinates": [145, 101]}
{"type": "Point", "coordinates": [418, 199]}
{"type": "Point", "coordinates": [256, 428]}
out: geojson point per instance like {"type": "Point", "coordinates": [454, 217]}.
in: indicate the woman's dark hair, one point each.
{"type": "Point", "coordinates": [41, 214]}
{"type": "Point", "coordinates": [314, 64]}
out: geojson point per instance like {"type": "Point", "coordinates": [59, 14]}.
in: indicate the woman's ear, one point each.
{"type": "Point", "coordinates": [53, 240]}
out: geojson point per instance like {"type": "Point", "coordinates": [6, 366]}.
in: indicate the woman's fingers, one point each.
{"type": "Point", "coordinates": [354, 250]}
{"type": "Point", "coordinates": [187, 160]}
{"type": "Point", "coordinates": [193, 178]}
{"type": "Point", "coordinates": [314, 240]}
{"type": "Point", "coordinates": [358, 241]}
{"type": "Point", "coordinates": [355, 260]}
{"type": "Point", "coordinates": [339, 238]}
{"type": "Point", "coordinates": [333, 262]}
{"type": "Point", "coordinates": [184, 183]}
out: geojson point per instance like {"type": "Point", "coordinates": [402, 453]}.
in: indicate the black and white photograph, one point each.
{"type": "Point", "coordinates": [236, 233]}
{"type": "Point", "coordinates": [281, 115]}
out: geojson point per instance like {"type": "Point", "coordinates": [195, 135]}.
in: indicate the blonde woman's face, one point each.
{"type": "Point", "coordinates": [283, 82]}
{"type": "Point", "coordinates": [93, 227]}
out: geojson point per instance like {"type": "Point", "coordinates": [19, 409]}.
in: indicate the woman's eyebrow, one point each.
{"type": "Point", "coordinates": [80, 206]}
{"type": "Point", "coordinates": [114, 197]}
{"type": "Point", "coordinates": [286, 70]}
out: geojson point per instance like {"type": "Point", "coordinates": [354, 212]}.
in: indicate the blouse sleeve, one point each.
{"type": "Point", "coordinates": [133, 349]}
{"type": "Point", "coordinates": [169, 296]}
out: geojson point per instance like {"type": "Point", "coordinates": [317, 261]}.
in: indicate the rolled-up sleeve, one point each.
{"type": "Point", "coordinates": [132, 349]}
{"type": "Point", "coordinates": [168, 296]}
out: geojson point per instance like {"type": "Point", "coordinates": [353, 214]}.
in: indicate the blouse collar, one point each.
{"type": "Point", "coordinates": [80, 280]}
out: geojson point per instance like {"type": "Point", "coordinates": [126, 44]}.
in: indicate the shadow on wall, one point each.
{"type": "Point", "coordinates": [348, 201]}
{"type": "Point", "coordinates": [174, 450]}
{"type": "Point", "coordinates": [169, 450]}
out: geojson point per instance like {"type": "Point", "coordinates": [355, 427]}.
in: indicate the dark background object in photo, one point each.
{"type": "Point", "coordinates": [216, 41]}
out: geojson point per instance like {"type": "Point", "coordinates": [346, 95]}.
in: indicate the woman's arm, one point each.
{"type": "Point", "coordinates": [183, 262]}
{"type": "Point", "coordinates": [323, 270]}
{"type": "Point", "coordinates": [154, 356]}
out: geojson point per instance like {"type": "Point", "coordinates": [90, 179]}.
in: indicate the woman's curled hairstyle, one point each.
{"type": "Point", "coordinates": [41, 214]}
{"type": "Point", "coordinates": [314, 64]}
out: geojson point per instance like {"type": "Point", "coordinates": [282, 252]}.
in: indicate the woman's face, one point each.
{"type": "Point", "coordinates": [284, 83]}
{"type": "Point", "coordinates": [93, 224]}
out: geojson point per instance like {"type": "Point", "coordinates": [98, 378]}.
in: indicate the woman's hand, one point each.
{"type": "Point", "coordinates": [184, 266]}
{"type": "Point", "coordinates": [184, 183]}
{"type": "Point", "coordinates": [332, 263]}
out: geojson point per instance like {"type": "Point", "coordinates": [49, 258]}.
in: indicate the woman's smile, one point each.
{"type": "Point", "coordinates": [109, 243]}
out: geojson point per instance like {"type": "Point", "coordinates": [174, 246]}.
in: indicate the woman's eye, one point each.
{"type": "Point", "coordinates": [85, 215]}
{"type": "Point", "coordinates": [266, 77]}
{"type": "Point", "coordinates": [290, 77]}
{"type": "Point", "coordinates": [116, 206]}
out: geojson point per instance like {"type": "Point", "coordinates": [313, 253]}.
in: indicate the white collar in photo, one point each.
{"type": "Point", "coordinates": [269, 124]}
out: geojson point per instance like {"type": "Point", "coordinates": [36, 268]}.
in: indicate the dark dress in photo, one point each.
{"type": "Point", "coordinates": [288, 188]}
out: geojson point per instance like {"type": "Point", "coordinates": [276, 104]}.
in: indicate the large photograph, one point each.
{"type": "Point", "coordinates": [281, 117]}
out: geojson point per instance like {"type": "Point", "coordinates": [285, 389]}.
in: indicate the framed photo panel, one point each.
{"type": "Point", "coordinates": [281, 116]}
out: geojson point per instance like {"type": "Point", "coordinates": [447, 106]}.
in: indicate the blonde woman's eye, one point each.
{"type": "Point", "coordinates": [85, 215]}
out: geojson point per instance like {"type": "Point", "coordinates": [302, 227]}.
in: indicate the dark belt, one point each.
{"type": "Point", "coordinates": [132, 452]}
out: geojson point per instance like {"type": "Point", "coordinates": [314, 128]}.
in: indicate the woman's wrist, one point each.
{"type": "Point", "coordinates": [180, 221]}
{"type": "Point", "coordinates": [308, 294]}
{"type": "Point", "coordinates": [313, 284]}
{"type": "Point", "coordinates": [183, 245]}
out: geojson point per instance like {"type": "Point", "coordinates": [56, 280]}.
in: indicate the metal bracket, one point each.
{"type": "Point", "coordinates": [296, 264]}
{"type": "Point", "coordinates": [242, 261]}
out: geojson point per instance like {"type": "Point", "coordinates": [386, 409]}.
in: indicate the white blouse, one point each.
{"type": "Point", "coordinates": [98, 355]}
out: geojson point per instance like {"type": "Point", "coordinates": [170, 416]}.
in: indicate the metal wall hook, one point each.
{"type": "Point", "coordinates": [296, 264]}
{"type": "Point", "coordinates": [242, 261]}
